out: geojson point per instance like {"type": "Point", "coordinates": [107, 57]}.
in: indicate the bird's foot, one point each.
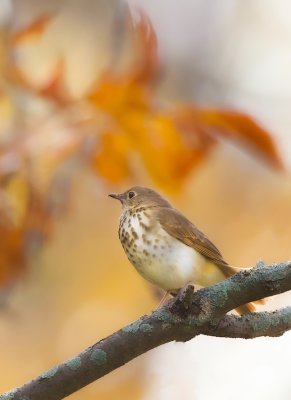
{"type": "Point", "coordinates": [185, 295]}
{"type": "Point", "coordinates": [183, 299]}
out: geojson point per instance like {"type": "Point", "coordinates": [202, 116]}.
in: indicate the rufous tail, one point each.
{"type": "Point", "coordinates": [245, 308]}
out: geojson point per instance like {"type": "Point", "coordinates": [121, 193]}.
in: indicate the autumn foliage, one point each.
{"type": "Point", "coordinates": [116, 127]}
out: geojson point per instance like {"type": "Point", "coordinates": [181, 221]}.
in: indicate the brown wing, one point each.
{"type": "Point", "coordinates": [178, 226]}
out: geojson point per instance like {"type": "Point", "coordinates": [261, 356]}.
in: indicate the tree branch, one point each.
{"type": "Point", "coordinates": [255, 325]}
{"type": "Point", "coordinates": [184, 317]}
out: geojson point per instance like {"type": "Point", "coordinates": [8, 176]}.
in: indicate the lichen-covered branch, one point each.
{"type": "Point", "coordinates": [184, 317]}
{"type": "Point", "coordinates": [254, 325]}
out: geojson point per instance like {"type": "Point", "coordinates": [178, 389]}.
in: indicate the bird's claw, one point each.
{"type": "Point", "coordinates": [183, 299]}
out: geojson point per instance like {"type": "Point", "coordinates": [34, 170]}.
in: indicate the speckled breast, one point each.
{"type": "Point", "coordinates": [136, 233]}
{"type": "Point", "coordinates": [158, 257]}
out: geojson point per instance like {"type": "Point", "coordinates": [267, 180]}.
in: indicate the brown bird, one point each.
{"type": "Point", "coordinates": [165, 247]}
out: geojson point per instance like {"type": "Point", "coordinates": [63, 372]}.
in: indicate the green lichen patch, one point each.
{"type": "Point", "coordinates": [193, 322]}
{"type": "Point", "coordinates": [221, 294]}
{"type": "Point", "coordinates": [147, 328]}
{"type": "Point", "coordinates": [286, 315]}
{"type": "Point", "coordinates": [99, 357]}
{"type": "Point", "coordinates": [162, 315]}
{"type": "Point", "coordinates": [138, 326]}
{"type": "Point", "coordinates": [132, 328]}
{"type": "Point", "coordinates": [261, 324]}
{"type": "Point", "coordinates": [50, 373]}
{"type": "Point", "coordinates": [74, 363]}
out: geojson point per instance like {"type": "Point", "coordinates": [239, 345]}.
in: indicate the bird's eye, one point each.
{"type": "Point", "coordinates": [131, 195]}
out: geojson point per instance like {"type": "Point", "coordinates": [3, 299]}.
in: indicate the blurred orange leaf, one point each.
{"type": "Point", "coordinates": [169, 144]}
{"type": "Point", "coordinates": [244, 130]}
{"type": "Point", "coordinates": [54, 88]}
{"type": "Point", "coordinates": [16, 196]}
{"type": "Point", "coordinates": [109, 158]}
{"type": "Point", "coordinates": [25, 220]}
{"type": "Point", "coordinates": [31, 32]}
{"type": "Point", "coordinates": [147, 64]}
{"type": "Point", "coordinates": [12, 255]}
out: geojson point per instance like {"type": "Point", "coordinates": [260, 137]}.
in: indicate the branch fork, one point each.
{"type": "Point", "coordinates": [187, 315]}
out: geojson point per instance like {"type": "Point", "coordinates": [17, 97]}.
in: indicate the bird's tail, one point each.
{"type": "Point", "coordinates": [249, 307]}
{"type": "Point", "coordinates": [245, 308]}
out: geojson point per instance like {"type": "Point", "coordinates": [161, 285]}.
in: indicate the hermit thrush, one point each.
{"type": "Point", "coordinates": [165, 247]}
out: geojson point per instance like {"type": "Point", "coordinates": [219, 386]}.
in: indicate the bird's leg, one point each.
{"type": "Point", "coordinates": [184, 295]}
{"type": "Point", "coordinates": [163, 300]}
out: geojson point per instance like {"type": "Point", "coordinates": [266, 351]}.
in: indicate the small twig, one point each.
{"type": "Point", "coordinates": [250, 326]}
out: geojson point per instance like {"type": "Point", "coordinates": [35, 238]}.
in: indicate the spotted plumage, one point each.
{"type": "Point", "coordinates": [164, 246]}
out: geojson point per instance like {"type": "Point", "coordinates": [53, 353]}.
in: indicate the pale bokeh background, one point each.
{"type": "Point", "coordinates": [81, 287]}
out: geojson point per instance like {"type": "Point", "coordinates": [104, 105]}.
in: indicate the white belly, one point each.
{"type": "Point", "coordinates": [165, 261]}
{"type": "Point", "coordinates": [172, 266]}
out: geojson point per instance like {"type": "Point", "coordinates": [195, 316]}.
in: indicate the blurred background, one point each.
{"type": "Point", "coordinates": [191, 98]}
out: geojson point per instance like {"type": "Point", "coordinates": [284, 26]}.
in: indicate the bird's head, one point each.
{"type": "Point", "coordinates": [139, 196]}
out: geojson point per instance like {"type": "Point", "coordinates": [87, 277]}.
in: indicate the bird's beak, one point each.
{"type": "Point", "coordinates": [116, 196]}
